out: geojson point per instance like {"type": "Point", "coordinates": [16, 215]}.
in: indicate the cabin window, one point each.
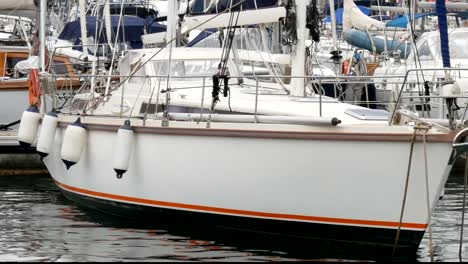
{"type": "Point", "coordinates": [211, 41]}
{"type": "Point", "coordinates": [458, 45]}
{"type": "Point", "coordinates": [180, 68]}
{"type": "Point", "coordinates": [12, 61]}
{"type": "Point", "coordinates": [60, 68]}
{"type": "Point", "coordinates": [78, 105]}
{"type": "Point", "coordinates": [10, 66]}
{"type": "Point", "coordinates": [151, 109]}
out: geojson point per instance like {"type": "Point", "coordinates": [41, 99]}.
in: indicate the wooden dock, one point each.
{"type": "Point", "coordinates": [15, 160]}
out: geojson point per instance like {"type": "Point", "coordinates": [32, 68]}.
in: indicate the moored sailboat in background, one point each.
{"type": "Point", "coordinates": [19, 81]}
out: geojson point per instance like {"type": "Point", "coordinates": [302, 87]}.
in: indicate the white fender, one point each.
{"type": "Point", "coordinates": [29, 125]}
{"type": "Point", "coordinates": [450, 91]}
{"type": "Point", "coordinates": [74, 142]}
{"type": "Point", "coordinates": [47, 134]}
{"type": "Point", "coordinates": [123, 149]}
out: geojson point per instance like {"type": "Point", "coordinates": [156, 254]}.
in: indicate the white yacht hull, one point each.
{"type": "Point", "coordinates": [297, 178]}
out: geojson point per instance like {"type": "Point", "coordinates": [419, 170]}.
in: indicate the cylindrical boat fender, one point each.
{"type": "Point", "coordinates": [123, 149]}
{"type": "Point", "coordinates": [29, 125]}
{"type": "Point", "coordinates": [47, 134]}
{"type": "Point", "coordinates": [74, 142]}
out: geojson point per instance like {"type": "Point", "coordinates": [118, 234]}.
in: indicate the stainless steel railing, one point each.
{"type": "Point", "coordinates": [318, 80]}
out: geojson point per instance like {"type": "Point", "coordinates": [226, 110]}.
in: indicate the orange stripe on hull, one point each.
{"type": "Point", "coordinates": [210, 209]}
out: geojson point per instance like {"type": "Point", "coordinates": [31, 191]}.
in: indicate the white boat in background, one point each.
{"type": "Point", "coordinates": [15, 46]}
{"type": "Point", "coordinates": [427, 55]}
{"type": "Point", "coordinates": [16, 24]}
{"type": "Point", "coordinates": [184, 134]}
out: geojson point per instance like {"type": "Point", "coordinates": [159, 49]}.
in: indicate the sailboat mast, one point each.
{"type": "Point", "coordinates": [84, 38]}
{"type": "Point", "coordinates": [42, 28]}
{"type": "Point", "coordinates": [172, 18]}
{"type": "Point", "coordinates": [298, 58]}
{"type": "Point", "coordinates": [333, 23]}
{"type": "Point", "coordinates": [171, 31]}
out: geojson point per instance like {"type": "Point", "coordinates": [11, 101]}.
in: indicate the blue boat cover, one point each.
{"type": "Point", "coordinates": [133, 28]}
{"type": "Point", "coordinates": [381, 17]}
{"type": "Point", "coordinates": [402, 22]}
{"type": "Point", "coordinates": [339, 15]}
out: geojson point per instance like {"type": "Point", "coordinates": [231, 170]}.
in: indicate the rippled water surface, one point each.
{"type": "Point", "coordinates": [37, 223]}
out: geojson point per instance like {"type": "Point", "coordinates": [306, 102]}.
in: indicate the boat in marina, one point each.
{"type": "Point", "coordinates": [427, 55]}
{"type": "Point", "coordinates": [186, 134]}
{"type": "Point", "coordinates": [414, 57]}
{"type": "Point", "coordinates": [17, 82]}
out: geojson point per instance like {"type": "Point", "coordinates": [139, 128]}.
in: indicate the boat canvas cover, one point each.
{"type": "Point", "coordinates": [26, 65]}
{"type": "Point", "coordinates": [402, 22]}
{"type": "Point", "coordinates": [134, 28]}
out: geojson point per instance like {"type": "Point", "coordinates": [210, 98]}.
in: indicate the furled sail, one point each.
{"type": "Point", "coordinates": [221, 5]}
{"type": "Point", "coordinates": [25, 8]}
{"type": "Point", "coordinates": [253, 12]}
{"type": "Point", "coordinates": [353, 17]}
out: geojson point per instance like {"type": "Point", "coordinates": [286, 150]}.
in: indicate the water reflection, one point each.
{"type": "Point", "coordinates": [446, 225]}
{"type": "Point", "coordinates": [38, 224]}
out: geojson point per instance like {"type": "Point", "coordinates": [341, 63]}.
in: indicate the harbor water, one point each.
{"type": "Point", "coordinates": [37, 223]}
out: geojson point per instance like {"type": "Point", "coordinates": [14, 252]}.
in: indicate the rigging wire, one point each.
{"type": "Point", "coordinates": [289, 37]}
{"type": "Point", "coordinates": [136, 69]}
{"type": "Point", "coordinates": [222, 66]}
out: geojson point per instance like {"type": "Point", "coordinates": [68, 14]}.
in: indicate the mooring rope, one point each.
{"type": "Point", "coordinates": [463, 208]}
{"type": "Point", "coordinates": [405, 193]}
{"type": "Point", "coordinates": [424, 127]}
{"type": "Point", "coordinates": [431, 251]}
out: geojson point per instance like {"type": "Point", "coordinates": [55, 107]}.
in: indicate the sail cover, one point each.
{"type": "Point", "coordinates": [222, 5]}
{"type": "Point", "coordinates": [402, 22]}
{"type": "Point", "coordinates": [216, 14]}
{"type": "Point", "coordinates": [133, 28]}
